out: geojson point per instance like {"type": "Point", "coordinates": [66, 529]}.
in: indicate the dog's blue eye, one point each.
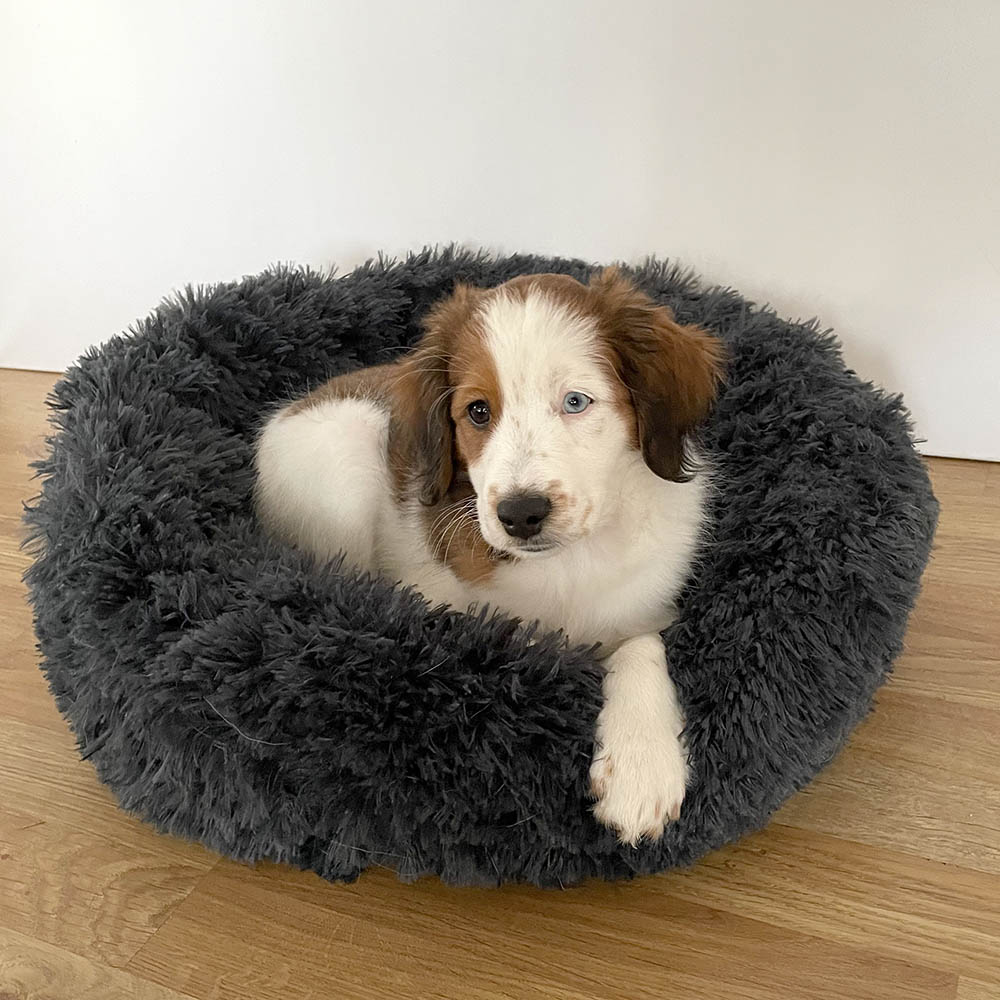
{"type": "Point", "coordinates": [576, 402]}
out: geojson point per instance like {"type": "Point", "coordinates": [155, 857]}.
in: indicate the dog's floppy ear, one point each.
{"type": "Point", "coordinates": [422, 436]}
{"type": "Point", "coordinates": [671, 371]}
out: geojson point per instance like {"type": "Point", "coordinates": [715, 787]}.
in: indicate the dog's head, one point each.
{"type": "Point", "coordinates": [542, 393]}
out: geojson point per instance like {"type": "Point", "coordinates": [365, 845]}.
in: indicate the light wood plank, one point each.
{"type": "Point", "coordinates": [954, 637]}
{"type": "Point", "coordinates": [23, 426]}
{"type": "Point", "coordinates": [42, 775]}
{"type": "Point", "coordinates": [428, 940]}
{"type": "Point", "coordinates": [971, 491]}
{"type": "Point", "coordinates": [919, 911]}
{"type": "Point", "coordinates": [970, 989]}
{"type": "Point", "coordinates": [24, 693]}
{"type": "Point", "coordinates": [920, 776]}
{"type": "Point", "coordinates": [23, 423]}
{"type": "Point", "coordinates": [101, 899]}
{"type": "Point", "coordinates": [958, 617]}
{"type": "Point", "coordinates": [33, 970]}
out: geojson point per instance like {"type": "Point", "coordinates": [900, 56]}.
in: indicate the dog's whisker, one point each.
{"type": "Point", "coordinates": [460, 522]}
{"type": "Point", "coordinates": [448, 510]}
{"type": "Point", "coordinates": [437, 402]}
{"type": "Point", "coordinates": [445, 520]}
{"type": "Point", "coordinates": [462, 517]}
{"type": "Point", "coordinates": [451, 532]}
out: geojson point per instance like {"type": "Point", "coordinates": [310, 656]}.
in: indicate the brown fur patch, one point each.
{"type": "Point", "coordinates": [450, 369]}
{"type": "Point", "coordinates": [473, 377]}
{"type": "Point", "coordinates": [671, 372]}
{"type": "Point", "coordinates": [455, 539]}
{"type": "Point", "coordinates": [621, 397]}
{"type": "Point", "coordinates": [561, 287]}
{"type": "Point", "coordinates": [365, 383]}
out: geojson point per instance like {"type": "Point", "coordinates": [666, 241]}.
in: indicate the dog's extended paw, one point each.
{"type": "Point", "coordinates": [638, 781]}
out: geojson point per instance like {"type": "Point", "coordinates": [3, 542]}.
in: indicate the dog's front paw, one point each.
{"type": "Point", "coordinates": [638, 780]}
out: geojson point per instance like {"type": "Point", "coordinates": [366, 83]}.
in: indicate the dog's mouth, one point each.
{"type": "Point", "coordinates": [513, 548]}
{"type": "Point", "coordinates": [533, 548]}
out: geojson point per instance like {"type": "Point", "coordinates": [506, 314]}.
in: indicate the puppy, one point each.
{"type": "Point", "coordinates": [528, 454]}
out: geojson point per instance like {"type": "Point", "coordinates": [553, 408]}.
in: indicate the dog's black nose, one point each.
{"type": "Point", "coordinates": [522, 514]}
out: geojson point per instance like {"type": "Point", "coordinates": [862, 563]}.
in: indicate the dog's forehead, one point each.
{"type": "Point", "coordinates": [537, 338]}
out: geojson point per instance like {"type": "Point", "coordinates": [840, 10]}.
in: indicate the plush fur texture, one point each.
{"type": "Point", "coordinates": [228, 692]}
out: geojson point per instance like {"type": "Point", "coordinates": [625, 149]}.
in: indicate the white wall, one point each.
{"type": "Point", "coordinates": [839, 159]}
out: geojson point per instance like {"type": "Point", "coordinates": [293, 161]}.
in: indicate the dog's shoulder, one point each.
{"type": "Point", "coordinates": [373, 384]}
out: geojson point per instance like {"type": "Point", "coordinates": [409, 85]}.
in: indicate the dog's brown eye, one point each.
{"type": "Point", "coordinates": [479, 412]}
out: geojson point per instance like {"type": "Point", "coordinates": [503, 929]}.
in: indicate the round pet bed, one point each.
{"type": "Point", "coordinates": [229, 692]}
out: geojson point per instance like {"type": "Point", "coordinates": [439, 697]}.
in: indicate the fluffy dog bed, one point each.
{"type": "Point", "coordinates": [228, 692]}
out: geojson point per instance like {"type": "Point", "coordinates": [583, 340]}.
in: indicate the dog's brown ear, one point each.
{"type": "Point", "coordinates": [422, 436]}
{"type": "Point", "coordinates": [671, 371]}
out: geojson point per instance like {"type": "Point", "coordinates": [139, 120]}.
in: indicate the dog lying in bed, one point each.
{"type": "Point", "coordinates": [528, 454]}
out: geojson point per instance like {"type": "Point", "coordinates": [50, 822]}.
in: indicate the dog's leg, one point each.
{"type": "Point", "coordinates": [322, 479]}
{"type": "Point", "coordinates": [639, 770]}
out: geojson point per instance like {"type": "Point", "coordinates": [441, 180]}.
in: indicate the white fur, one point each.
{"type": "Point", "coordinates": [639, 736]}
{"type": "Point", "coordinates": [623, 542]}
{"type": "Point", "coordinates": [541, 351]}
{"type": "Point", "coordinates": [322, 479]}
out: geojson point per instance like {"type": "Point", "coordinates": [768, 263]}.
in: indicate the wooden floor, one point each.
{"type": "Point", "coordinates": [880, 881]}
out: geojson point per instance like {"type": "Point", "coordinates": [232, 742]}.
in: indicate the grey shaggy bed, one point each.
{"type": "Point", "coordinates": [228, 692]}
